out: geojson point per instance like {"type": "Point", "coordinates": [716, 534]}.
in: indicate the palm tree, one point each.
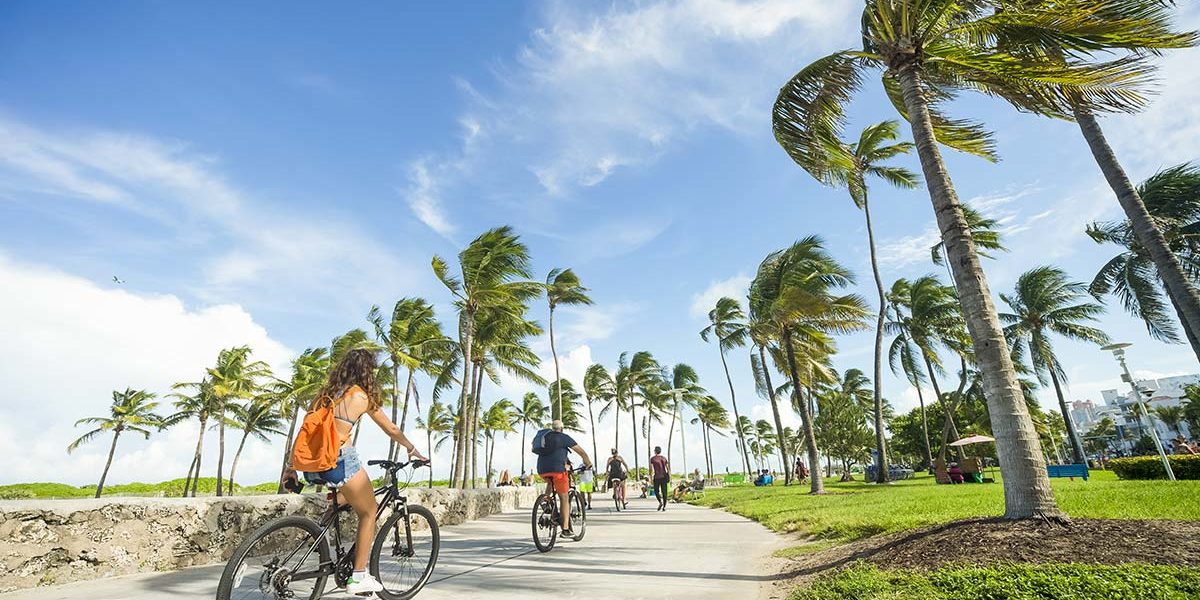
{"type": "Point", "coordinates": [743, 430]}
{"type": "Point", "coordinates": [201, 405]}
{"type": "Point", "coordinates": [685, 391]}
{"type": "Point", "coordinates": [655, 402]}
{"type": "Point", "coordinates": [712, 416]}
{"type": "Point", "coordinates": [437, 421]}
{"type": "Point", "coordinates": [563, 288]}
{"type": "Point", "coordinates": [1171, 416]}
{"type": "Point", "coordinates": [531, 411]}
{"type": "Point", "coordinates": [849, 166]}
{"type": "Point", "coordinates": [762, 333]}
{"type": "Point", "coordinates": [794, 289]}
{"type": "Point", "coordinates": [633, 375]}
{"type": "Point", "coordinates": [258, 419]}
{"type": "Point", "coordinates": [598, 386]}
{"type": "Point", "coordinates": [412, 338]}
{"type": "Point", "coordinates": [309, 372]}
{"type": "Point", "coordinates": [984, 232]}
{"type": "Point", "coordinates": [498, 418]}
{"type": "Point", "coordinates": [727, 324]}
{"type": "Point", "coordinates": [1044, 302]}
{"type": "Point", "coordinates": [235, 377]}
{"type": "Point", "coordinates": [1172, 198]}
{"type": "Point", "coordinates": [570, 417]}
{"type": "Point", "coordinates": [928, 51]}
{"type": "Point", "coordinates": [493, 274]}
{"type": "Point", "coordinates": [131, 410]}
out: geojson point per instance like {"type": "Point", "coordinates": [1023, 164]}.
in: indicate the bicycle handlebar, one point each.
{"type": "Point", "coordinates": [396, 466]}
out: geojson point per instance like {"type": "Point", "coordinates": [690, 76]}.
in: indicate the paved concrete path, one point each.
{"type": "Point", "coordinates": [686, 552]}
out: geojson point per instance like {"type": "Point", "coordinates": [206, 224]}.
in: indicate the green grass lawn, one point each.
{"type": "Point", "coordinates": [854, 510]}
{"type": "Point", "coordinates": [1009, 582]}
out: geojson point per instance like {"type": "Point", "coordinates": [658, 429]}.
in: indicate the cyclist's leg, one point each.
{"type": "Point", "coordinates": [361, 496]}
{"type": "Point", "coordinates": [564, 509]}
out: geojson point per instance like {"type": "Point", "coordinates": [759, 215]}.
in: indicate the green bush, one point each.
{"type": "Point", "coordinates": [1010, 582]}
{"type": "Point", "coordinates": [1185, 466]}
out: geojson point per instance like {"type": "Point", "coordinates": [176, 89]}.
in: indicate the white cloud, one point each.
{"type": "Point", "coordinates": [424, 199]}
{"type": "Point", "coordinates": [583, 324]}
{"type": "Point", "coordinates": [70, 343]}
{"type": "Point", "coordinates": [735, 287]}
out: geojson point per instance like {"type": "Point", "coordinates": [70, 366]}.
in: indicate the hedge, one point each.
{"type": "Point", "coordinates": [1185, 466]}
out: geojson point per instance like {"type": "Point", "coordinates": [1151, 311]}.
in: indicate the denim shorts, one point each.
{"type": "Point", "coordinates": [347, 466]}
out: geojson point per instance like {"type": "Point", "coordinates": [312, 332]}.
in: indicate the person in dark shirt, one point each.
{"type": "Point", "coordinates": [552, 466]}
{"type": "Point", "coordinates": [660, 470]}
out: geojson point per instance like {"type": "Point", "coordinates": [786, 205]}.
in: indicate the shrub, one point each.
{"type": "Point", "coordinates": [1185, 466]}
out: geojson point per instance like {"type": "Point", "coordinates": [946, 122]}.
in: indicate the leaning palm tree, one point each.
{"type": "Point", "coordinates": [598, 386]}
{"type": "Point", "coordinates": [411, 339]}
{"type": "Point", "coordinates": [563, 288]}
{"type": "Point", "coordinates": [712, 416]}
{"type": "Point", "coordinates": [309, 372]}
{"type": "Point", "coordinates": [200, 405]}
{"type": "Point", "coordinates": [493, 273]}
{"type": "Point", "coordinates": [497, 419]}
{"type": "Point", "coordinates": [530, 412]}
{"type": "Point", "coordinates": [850, 164]}
{"type": "Point", "coordinates": [1045, 301]}
{"type": "Point", "coordinates": [929, 50]}
{"type": "Point", "coordinates": [761, 334]}
{"type": "Point", "coordinates": [259, 418]}
{"type": "Point", "coordinates": [727, 325]}
{"type": "Point", "coordinates": [634, 375]}
{"type": "Point", "coordinates": [437, 421]}
{"type": "Point", "coordinates": [234, 377]}
{"type": "Point", "coordinates": [795, 289]}
{"type": "Point", "coordinates": [685, 391]}
{"type": "Point", "coordinates": [1172, 197]}
{"type": "Point", "coordinates": [131, 410]}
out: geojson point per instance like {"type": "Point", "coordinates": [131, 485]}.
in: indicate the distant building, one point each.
{"type": "Point", "coordinates": [1167, 391]}
{"type": "Point", "coordinates": [1084, 414]}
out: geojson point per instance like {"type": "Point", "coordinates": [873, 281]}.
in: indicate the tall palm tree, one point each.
{"type": "Point", "coordinates": [563, 288]}
{"type": "Point", "coordinates": [928, 50]}
{"type": "Point", "coordinates": [493, 273]}
{"type": "Point", "coordinates": [743, 430]}
{"type": "Point", "coordinates": [762, 333]}
{"type": "Point", "coordinates": [598, 386]}
{"type": "Point", "coordinates": [849, 166]}
{"type": "Point", "coordinates": [1045, 301]}
{"type": "Point", "coordinates": [656, 402]}
{"type": "Point", "coordinates": [131, 410]}
{"type": "Point", "coordinates": [259, 418]}
{"type": "Point", "coordinates": [795, 287]}
{"type": "Point", "coordinates": [309, 372]}
{"type": "Point", "coordinates": [1172, 198]}
{"type": "Point", "coordinates": [411, 339]}
{"type": "Point", "coordinates": [712, 416]}
{"type": "Point", "coordinates": [633, 375]}
{"type": "Point", "coordinates": [235, 377]}
{"type": "Point", "coordinates": [727, 325]}
{"type": "Point", "coordinates": [563, 388]}
{"type": "Point", "coordinates": [200, 405]}
{"type": "Point", "coordinates": [686, 381]}
{"type": "Point", "coordinates": [497, 419]}
{"type": "Point", "coordinates": [530, 411]}
{"type": "Point", "coordinates": [437, 421]}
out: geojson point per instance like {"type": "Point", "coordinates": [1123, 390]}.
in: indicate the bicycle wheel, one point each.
{"type": "Point", "coordinates": [545, 522]}
{"type": "Point", "coordinates": [401, 567]}
{"type": "Point", "coordinates": [616, 498]}
{"type": "Point", "coordinates": [275, 562]}
{"type": "Point", "coordinates": [578, 514]}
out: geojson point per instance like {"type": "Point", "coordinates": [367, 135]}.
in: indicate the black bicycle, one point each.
{"type": "Point", "coordinates": [547, 518]}
{"type": "Point", "coordinates": [290, 557]}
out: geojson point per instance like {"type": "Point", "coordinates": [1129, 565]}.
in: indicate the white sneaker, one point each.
{"type": "Point", "coordinates": [367, 585]}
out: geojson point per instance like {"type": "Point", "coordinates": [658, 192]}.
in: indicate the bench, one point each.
{"type": "Point", "coordinates": [1072, 471]}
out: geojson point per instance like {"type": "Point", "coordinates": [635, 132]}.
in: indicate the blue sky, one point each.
{"type": "Point", "coordinates": [265, 173]}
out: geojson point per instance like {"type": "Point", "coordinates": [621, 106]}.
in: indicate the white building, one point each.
{"type": "Point", "coordinates": [1167, 391]}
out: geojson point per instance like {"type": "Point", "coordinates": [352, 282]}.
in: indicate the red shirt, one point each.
{"type": "Point", "coordinates": [658, 463]}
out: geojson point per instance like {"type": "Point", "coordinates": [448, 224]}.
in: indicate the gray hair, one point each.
{"type": "Point", "coordinates": [557, 425]}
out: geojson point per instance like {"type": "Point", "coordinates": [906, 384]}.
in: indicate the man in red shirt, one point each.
{"type": "Point", "coordinates": [660, 474]}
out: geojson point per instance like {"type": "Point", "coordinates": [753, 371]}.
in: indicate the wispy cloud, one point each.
{"type": "Point", "coordinates": [733, 287]}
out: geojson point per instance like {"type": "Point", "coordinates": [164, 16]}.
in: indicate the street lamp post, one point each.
{"type": "Point", "coordinates": [678, 393]}
{"type": "Point", "coordinates": [1118, 351]}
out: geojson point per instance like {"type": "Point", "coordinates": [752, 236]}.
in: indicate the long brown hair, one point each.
{"type": "Point", "coordinates": [357, 367]}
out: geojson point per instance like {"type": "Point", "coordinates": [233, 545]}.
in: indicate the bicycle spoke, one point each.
{"type": "Point", "coordinates": [267, 568]}
{"type": "Point", "coordinates": [404, 556]}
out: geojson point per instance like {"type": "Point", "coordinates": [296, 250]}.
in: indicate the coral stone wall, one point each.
{"type": "Point", "coordinates": [46, 542]}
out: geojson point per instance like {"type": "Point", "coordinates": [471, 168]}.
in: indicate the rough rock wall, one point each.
{"type": "Point", "coordinates": [47, 542]}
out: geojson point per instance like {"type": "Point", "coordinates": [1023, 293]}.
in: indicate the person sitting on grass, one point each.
{"type": "Point", "coordinates": [956, 473]}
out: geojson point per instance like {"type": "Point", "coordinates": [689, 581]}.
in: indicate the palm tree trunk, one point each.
{"type": "Point", "coordinates": [787, 473]}
{"type": "Point", "coordinates": [592, 419]}
{"type": "Point", "coordinates": [1182, 292]}
{"type": "Point", "coordinates": [925, 429]}
{"type": "Point", "coordinates": [949, 429]}
{"type": "Point", "coordinates": [199, 464]}
{"type": "Point", "coordinates": [221, 447]}
{"type": "Point", "coordinates": [429, 445]}
{"type": "Point", "coordinates": [237, 455]}
{"type": "Point", "coordinates": [733, 399]}
{"type": "Point", "coordinates": [617, 428]}
{"type": "Point", "coordinates": [1027, 491]}
{"type": "Point", "coordinates": [287, 448]}
{"type": "Point", "coordinates": [633, 418]}
{"type": "Point", "coordinates": [104, 474]}
{"type": "Point", "coordinates": [187, 482]}
{"type": "Point", "coordinates": [195, 474]}
{"type": "Point", "coordinates": [477, 403]}
{"type": "Point", "coordinates": [671, 431]}
{"type": "Point", "coordinates": [557, 377]}
{"type": "Point", "coordinates": [460, 442]}
{"type": "Point", "coordinates": [408, 389]}
{"type": "Point", "coordinates": [810, 436]}
{"type": "Point", "coordinates": [881, 471]}
{"type": "Point", "coordinates": [649, 446]}
{"type": "Point", "coordinates": [1076, 446]}
{"type": "Point", "coordinates": [523, 423]}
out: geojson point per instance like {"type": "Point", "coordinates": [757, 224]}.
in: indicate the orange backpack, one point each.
{"type": "Point", "coordinates": [316, 448]}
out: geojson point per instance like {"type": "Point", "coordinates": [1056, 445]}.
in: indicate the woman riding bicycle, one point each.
{"type": "Point", "coordinates": [353, 392]}
{"type": "Point", "coordinates": [618, 471]}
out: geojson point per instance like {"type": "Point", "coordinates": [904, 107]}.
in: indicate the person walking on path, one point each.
{"type": "Point", "coordinates": [660, 471]}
